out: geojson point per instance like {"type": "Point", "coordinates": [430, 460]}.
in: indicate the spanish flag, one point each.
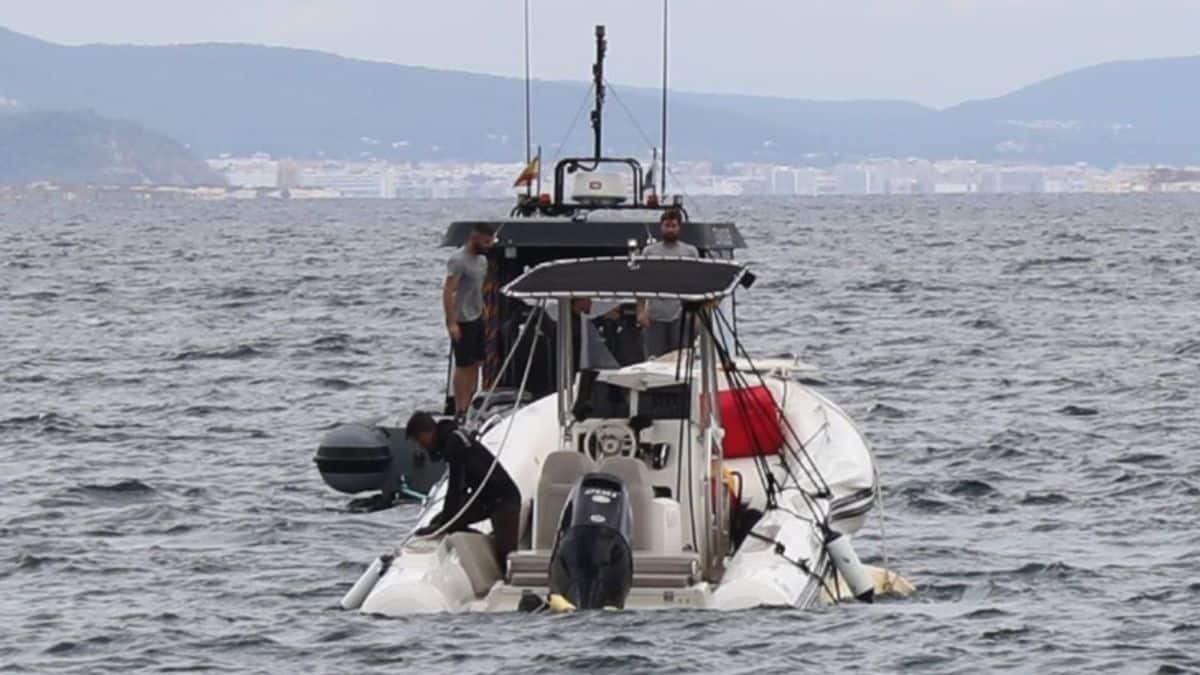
{"type": "Point", "coordinates": [529, 173]}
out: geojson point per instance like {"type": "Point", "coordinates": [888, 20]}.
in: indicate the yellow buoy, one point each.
{"type": "Point", "coordinates": [560, 604]}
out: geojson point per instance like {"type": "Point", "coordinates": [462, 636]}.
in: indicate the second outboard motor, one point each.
{"type": "Point", "coordinates": [357, 457]}
{"type": "Point", "coordinates": [592, 562]}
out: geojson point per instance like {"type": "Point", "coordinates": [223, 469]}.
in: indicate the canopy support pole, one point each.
{"type": "Point", "coordinates": [566, 365]}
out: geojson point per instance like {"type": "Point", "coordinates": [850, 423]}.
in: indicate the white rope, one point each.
{"type": "Point", "coordinates": [499, 451]}
{"type": "Point", "coordinates": [487, 398]}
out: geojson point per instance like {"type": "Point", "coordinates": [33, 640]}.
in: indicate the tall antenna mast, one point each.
{"type": "Point", "coordinates": [598, 83]}
{"type": "Point", "coordinates": [662, 177]}
{"type": "Point", "coordinates": [528, 133]}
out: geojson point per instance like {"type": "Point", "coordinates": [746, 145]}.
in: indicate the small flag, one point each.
{"type": "Point", "coordinates": [648, 181]}
{"type": "Point", "coordinates": [529, 173]}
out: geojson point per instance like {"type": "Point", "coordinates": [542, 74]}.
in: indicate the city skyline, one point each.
{"type": "Point", "coordinates": [938, 53]}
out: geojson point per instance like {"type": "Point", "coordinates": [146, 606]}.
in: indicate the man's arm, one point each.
{"type": "Point", "coordinates": [453, 500]}
{"type": "Point", "coordinates": [449, 290]}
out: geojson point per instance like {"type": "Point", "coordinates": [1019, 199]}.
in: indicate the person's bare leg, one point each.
{"type": "Point", "coordinates": [466, 378]}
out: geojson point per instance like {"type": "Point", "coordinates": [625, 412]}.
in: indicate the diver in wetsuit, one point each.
{"type": "Point", "coordinates": [469, 461]}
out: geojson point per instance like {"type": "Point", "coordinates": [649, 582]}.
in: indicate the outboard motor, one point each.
{"type": "Point", "coordinates": [356, 457]}
{"type": "Point", "coordinates": [592, 562]}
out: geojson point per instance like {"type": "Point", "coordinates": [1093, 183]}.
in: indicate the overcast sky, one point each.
{"type": "Point", "coordinates": [937, 52]}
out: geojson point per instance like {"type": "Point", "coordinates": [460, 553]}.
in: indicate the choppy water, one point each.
{"type": "Point", "coordinates": [1026, 367]}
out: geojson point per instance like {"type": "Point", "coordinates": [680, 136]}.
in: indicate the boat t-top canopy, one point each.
{"type": "Point", "coordinates": [684, 279]}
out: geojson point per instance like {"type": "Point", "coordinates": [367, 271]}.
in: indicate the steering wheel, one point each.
{"type": "Point", "coordinates": [610, 439]}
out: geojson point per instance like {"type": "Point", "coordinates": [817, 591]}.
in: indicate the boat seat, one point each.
{"type": "Point", "coordinates": [635, 475]}
{"type": "Point", "coordinates": [478, 558]}
{"type": "Point", "coordinates": [560, 471]}
{"type": "Point", "coordinates": [531, 569]}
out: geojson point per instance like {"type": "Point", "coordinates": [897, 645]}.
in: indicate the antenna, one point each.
{"type": "Point", "coordinates": [662, 178]}
{"type": "Point", "coordinates": [528, 133]}
{"type": "Point", "coordinates": [598, 83]}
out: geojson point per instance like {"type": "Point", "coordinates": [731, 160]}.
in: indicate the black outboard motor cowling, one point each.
{"type": "Point", "coordinates": [362, 457]}
{"type": "Point", "coordinates": [592, 562]}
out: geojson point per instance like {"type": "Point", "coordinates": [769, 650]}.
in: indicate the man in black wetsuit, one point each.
{"type": "Point", "coordinates": [469, 462]}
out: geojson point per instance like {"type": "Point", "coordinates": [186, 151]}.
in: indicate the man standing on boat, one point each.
{"type": "Point", "coordinates": [661, 320]}
{"type": "Point", "coordinates": [462, 301]}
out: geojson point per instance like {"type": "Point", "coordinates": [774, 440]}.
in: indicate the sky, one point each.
{"type": "Point", "coordinates": [935, 52]}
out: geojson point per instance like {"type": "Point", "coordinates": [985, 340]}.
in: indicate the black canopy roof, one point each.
{"type": "Point", "coordinates": [690, 279]}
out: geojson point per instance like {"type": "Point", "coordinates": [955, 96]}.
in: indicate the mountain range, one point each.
{"type": "Point", "coordinates": [243, 99]}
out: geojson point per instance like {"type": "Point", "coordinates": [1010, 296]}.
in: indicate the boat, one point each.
{"type": "Point", "coordinates": [702, 478]}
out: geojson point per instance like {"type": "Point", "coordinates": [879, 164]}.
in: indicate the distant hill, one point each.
{"type": "Point", "coordinates": [1124, 111]}
{"type": "Point", "coordinates": [85, 148]}
{"type": "Point", "coordinates": [241, 99]}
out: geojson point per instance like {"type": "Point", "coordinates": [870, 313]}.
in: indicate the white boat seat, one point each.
{"type": "Point", "coordinates": [531, 569]}
{"type": "Point", "coordinates": [478, 558]}
{"type": "Point", "coordinates": [635, 475]}
{"type": "Point", "coordinates": [560, 471]}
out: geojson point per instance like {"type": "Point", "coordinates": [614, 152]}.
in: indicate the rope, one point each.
{"type": "Point", "coordinates": [645, 137]}
{"type": "Point", "coordinates": [779, 550]}
{"type": "Point", "coordinates": [558, 151]}
{"type": "Point", "coordinates": [499, 451]}
{"type": "Point", "coordinates": [740, 384]}
{"type": "Point", "coordinates": [887, 564]}
{"type": "Point", "coordinates": [762, 468]}
{"type": "Point", "coordinates": [538, 310]}
{"type": "Point", "coordinates": [801, 454]}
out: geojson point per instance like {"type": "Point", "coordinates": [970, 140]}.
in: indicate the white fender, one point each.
{"type": "Point", "coordinates": [849, 566]}
{"type": "Point", "coordinates": [353, 599]}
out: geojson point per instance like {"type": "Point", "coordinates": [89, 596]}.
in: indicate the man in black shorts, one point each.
{"type": "Point", "coordinates": [462, 301]}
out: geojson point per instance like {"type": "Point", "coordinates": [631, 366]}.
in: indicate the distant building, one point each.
{"type": "Point", "coordinates": [1006, 181]}
{"type": "Point", "coordinates": [852, 179]}
{"type": "Point", "coordinates": [348, 184]}
{"type": "Point", "coordinates": [783, 181]}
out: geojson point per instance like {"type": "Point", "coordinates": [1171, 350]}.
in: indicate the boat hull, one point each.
{"type": "Point", "coordinates": [783, 562]}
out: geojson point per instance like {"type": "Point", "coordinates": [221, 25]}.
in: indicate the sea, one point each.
{"type": "Point", "coordinates": [1026, 368]}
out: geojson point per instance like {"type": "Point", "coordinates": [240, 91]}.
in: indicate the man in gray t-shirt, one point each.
{"type": "Point", "coordinates": [462, 302]}
{"type": "Point", "coordinates": [661, 319]}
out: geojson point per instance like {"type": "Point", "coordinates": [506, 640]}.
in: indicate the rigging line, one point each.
{"type": "Point", "coordinates": [745, 384]}
{"type": "Point", "coordinates": [887, 565]}
{"type": "Point", "coordinates": [762, 467]}
{"type": "Point", "coordinates": [629, 113]}
{"type": "Point", "coordinates": [583, 104]}
{"type": "Point", "coordinates": [537, 311]}
{"type": "Point", "coordinates": [819, 480]}
{"type": "Point", "coordinates": [473, 415]}
{"type": "Point", "coordinates": [760, 461]}
{"type": "Point", "coordinates": [738, 382]}
{"type": "Point", "coordinates": [645, 137]}
{"type": "Point", "coordinates": [499, 450]}
{"type": "Point", "coordinates": [779, 550]}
